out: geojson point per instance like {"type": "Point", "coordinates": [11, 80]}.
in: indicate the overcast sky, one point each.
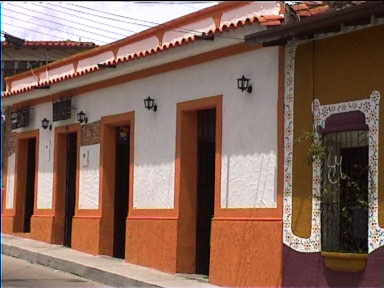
{"type": "Point", "coordinates": [98, 22]}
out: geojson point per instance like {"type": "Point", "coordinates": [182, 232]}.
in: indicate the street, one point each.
{"type": "Point", "coordinates": [19, 273]}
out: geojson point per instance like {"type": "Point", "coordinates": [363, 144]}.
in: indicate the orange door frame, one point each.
{"type": "Point", "coordinates": [21, 177]}
{"type": "Point", "coordinates": [107, 176]}
{"type": "Point", "coordinates": [59, 177]}
{"type": "Point", "coordinates": [186, 176]}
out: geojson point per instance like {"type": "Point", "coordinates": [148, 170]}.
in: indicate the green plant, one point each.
{"type": "Point", "coordinates": [317, 150]}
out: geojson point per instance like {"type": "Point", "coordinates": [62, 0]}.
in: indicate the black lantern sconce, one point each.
{"type": "Point", "coordinates": [82, 117]}
{"type": "Point", "coordinates": [150, 104]}
{"type": "Point", "coordinates": [45, 124]}
{"type": "Point", "coordinates": [243, 84]}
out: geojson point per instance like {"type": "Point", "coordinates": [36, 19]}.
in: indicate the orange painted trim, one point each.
{"type": "Point", "coordinates": [88, 212]}
{"type": "Point", "coordinates": [44, 212]}
{"type": "Point", "coordinates": [175, 65]}
{"type": "Point", "coordinates": [280, 130]}
{"type": "Point", "coordinates": [186, 177]}
{"type": "Point", "coordinates": [107, 175]}
{"type": "Point", "coordinates": [43, 216]}
{"type": "Point", "coordinates": [59, 175]}
{"type": "Point", "coordinates": [249, 212]}
{"type": "Point", "coordinates": [87, 216]}
{"type": "Point", "coordinates": [195, 105]}
{"type": "Point", "coordinates": [8, 212]}
{"type": "Point", "coordinates": [21, 169]}
{"type": "Point", "coordinates": [168, 213]}
{"type": "Point", "coordinates": [152, 218]}
{"type": "Point", "coordinates": [247, 219]}
{"type": "Point", "coordinates": [73, 128]}
{"type": "Point", "coordinates": [189, 18]}
{"type": "Point", "coordinates": [115, 121]}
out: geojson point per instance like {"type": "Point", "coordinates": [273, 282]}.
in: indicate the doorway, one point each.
{"type": "Point", "coordinates": [70, 186]}
{"type": "Point", "coordinates": [116, 162]}
{"type": "Point", "coordinates": [206, 144]}
{"type": "Point", "coordinates": [25, 180]}
{"type": "Point", "coordinates": [121, 189]}
{"type": "Point", "coordinates": [198, 165]}
{"type": "Point", "coordinates": [65, 181]}
{"type": "Point", "coordinates": [30, 183]}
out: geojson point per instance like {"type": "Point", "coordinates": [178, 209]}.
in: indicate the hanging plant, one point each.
{"type": "Point", "coordinates": [317, 150]}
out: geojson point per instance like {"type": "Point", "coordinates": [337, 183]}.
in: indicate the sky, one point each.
{"type": "Point", "coordinates": [101, 22]}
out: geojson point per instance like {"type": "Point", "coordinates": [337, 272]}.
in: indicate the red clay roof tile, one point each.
{"type": "Point", "coordinates": [66, 44]}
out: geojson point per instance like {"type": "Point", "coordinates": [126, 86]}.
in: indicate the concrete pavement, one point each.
{"type": "Point", "coordinates": [107, 270]}
{"type": "Point", "coordinates": [20, 273]}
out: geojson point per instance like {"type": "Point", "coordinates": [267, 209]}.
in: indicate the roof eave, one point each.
{"type": "Point", "coordinates": [323, 23]}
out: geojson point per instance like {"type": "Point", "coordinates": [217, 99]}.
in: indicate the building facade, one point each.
{"type": "Point", "coordinates": [170, 188]}
{"type": "Point", "coordinates": [333, 192]}
{"type": "Point", "coordinates": [187, 149]}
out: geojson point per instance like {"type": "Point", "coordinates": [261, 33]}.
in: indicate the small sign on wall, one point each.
{"type": "Point", "coordinates": [85, 158]}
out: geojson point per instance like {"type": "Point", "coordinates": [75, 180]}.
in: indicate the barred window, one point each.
{"type": "Point", "coordinates": [344, 193]}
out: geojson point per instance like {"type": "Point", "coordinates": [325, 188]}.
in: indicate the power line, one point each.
{"type": "Point", "coordinates": [57, 23]}
{"type": "Point", "coordinates": [116, 15]}
{"type": "Point", "coordinates": [105, 17]}
{"type": "Point", "coordinates": [50, 28]}
{"type": "Point", "coordinates": [74, 22]}
{"type": "Point", "coordinates": [181, 30]}
{"type": "Point", "coordinates": [81, 17]}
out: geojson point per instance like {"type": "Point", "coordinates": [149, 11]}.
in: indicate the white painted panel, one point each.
{"type": "Point", "coordinates": [93, 61]}
{"type": "Point", "coordinates": [139, 46]}
{"type": "Point", "coordinates": [17, 84]}
{"type": "Point", "coordinates": [249, 127]}
{"type": "Point", "coordinates": [89, 177]}
{"type": "Point", "coordinates": [256, 8]}
{"type": "Point", "coordinates": [10, 182]}
{"type": "Point", "coordinates": [57, 72]}
{"type": "Point", "coordinates": [45, 175]}
{"type": "Point", "coordinates": [204, 25]}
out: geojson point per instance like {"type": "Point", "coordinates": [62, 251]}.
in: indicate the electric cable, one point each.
{"type": "Point", "coordinates": [81, 17]}
{"type": "Point", "coordinates": [154, 24]}
{"type": "Point", "coordinates": [57, 23]}
{"type": "Point", "coordinates": [74, 22]}
{"type": "Point", "coordinates": [39, 32]}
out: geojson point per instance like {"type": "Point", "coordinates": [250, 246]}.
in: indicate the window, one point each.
{"type": "Point", "coordinates": [344, 184]}
{"type": "Point", "coordinates": [62, 110]}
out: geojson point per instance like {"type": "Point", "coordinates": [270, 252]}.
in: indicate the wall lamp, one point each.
{"type": "Point", "coordinates": [243, 84]}
{"type": "Point", "coordinates": [45, 124]}
{"type": "Point", "coordinates": [150, 104]}
{"type": "Point", "coordinates": [82, 117]}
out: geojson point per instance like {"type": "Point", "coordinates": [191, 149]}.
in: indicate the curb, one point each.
{"type": "Point", "coordinates": [84, 271]}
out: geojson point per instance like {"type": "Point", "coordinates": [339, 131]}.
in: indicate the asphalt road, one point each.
{"type": "Point", "coordinates": [19, 273]}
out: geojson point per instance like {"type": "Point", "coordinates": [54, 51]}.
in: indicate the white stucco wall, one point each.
{"type": "Point", "coordinates": [10, 182]}
{"type": "Point", "coordinates": [89, 177]}
{"type": "Point", "coordinates": [249, 165]}
{"type": "Point", "coordinates": [249, 162]}
{"type": "Point", "coordinates": [44, 191]}
{"type": "Point", "coordinates": [46, 157]}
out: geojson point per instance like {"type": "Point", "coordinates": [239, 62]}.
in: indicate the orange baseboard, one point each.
{"type": "Point", "coordinates": [7, 224]}
{"type": "Point", "coordinates": [42, 228]}
{"type": "Point", "coordinates": [152, 243]}
{"type": "Point", "coordinates": [86, 234]}
{"type": "Point", "coordinates": [246, 253]}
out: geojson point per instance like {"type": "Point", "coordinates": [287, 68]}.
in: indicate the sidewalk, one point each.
{"type": "Point", "coordinates": [107, 270]}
